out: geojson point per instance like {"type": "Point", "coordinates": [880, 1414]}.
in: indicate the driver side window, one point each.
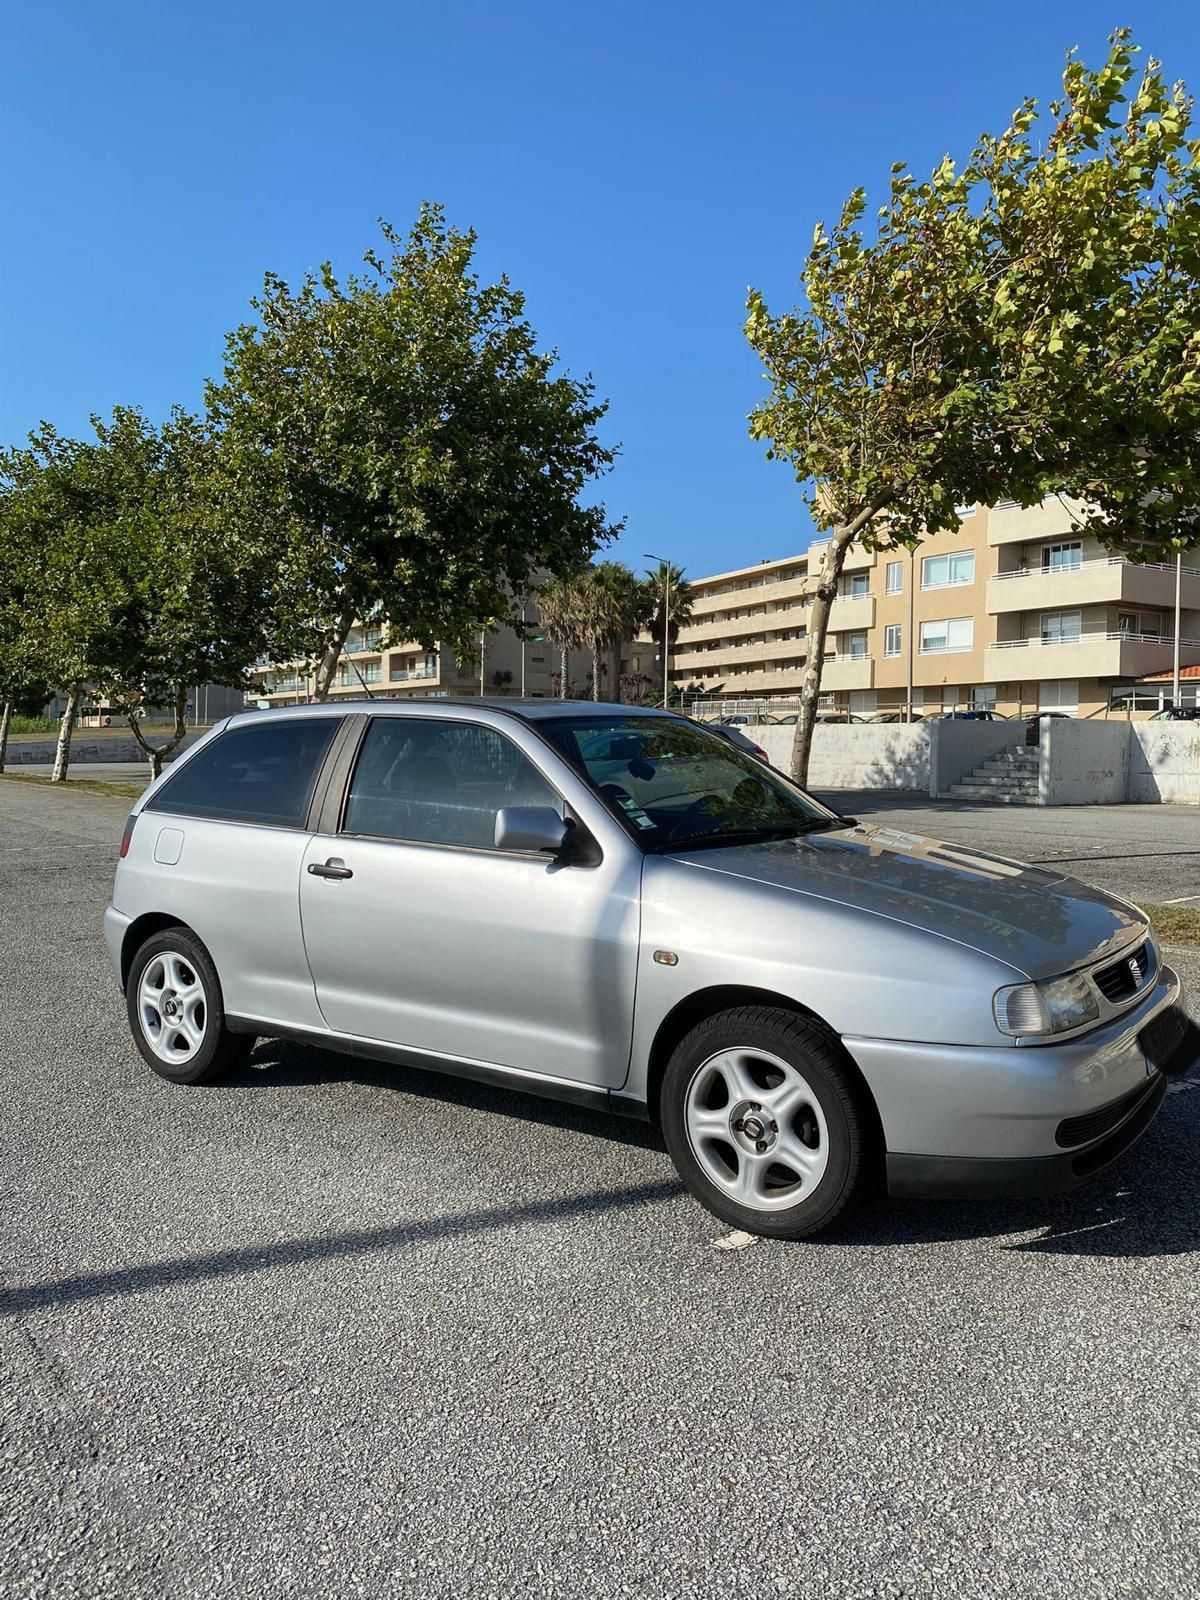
{"type": "Point", "coordinates": [426, 780]}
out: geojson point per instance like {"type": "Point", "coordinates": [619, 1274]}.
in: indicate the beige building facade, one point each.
{"type": "Point", "coordinates": [1014, 611]}
{"type": "Point", "coordinates": [502, 664]}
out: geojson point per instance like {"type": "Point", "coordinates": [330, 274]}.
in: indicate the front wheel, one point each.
{"type": "Point", "coordinates": [763, 1122]}
{"type": "Point", "coordinates": [175, 1011]}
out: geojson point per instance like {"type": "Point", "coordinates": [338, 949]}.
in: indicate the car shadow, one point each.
{"type": "Point", "coordinates": [1147, 1205]}
{"type": "Point", "coordinates": [279, 1063]}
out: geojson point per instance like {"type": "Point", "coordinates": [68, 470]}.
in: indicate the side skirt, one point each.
{"type": "Point", "coordinates": [577, 1094]}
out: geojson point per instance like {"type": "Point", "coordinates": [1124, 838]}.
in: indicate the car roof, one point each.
{"type": "Point", "coordinates": [527, 710]}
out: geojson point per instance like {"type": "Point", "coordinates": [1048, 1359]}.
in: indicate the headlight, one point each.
{"type": "Point", "coordinates": [1057, 1005]}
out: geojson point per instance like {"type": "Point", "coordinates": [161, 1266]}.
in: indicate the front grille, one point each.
{"type": "Point", "coordinates": [1122, 979]}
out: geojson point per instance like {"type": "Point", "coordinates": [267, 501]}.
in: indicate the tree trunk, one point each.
{"type": "Point", "coordinates": [66, 728]}
{"type": "Point", "coordinates": [157, 754]}
{"type": "Point", "coordinates": [5, 721]}
{"type": "Point", "coordinates": [562, 674]}
{"type": "Point", "coordinates": [595, 672]}
{"type": "Point", "coordinates": [333, 654]}
{"type": "Point", "coordinates": [818, 627]}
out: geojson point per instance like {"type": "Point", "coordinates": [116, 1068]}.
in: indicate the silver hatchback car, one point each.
{"type": "Point", "coordinates": [616, 907]}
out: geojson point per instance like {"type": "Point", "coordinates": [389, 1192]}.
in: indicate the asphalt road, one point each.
{"type": "Point", "coordinates": [332, 1331]}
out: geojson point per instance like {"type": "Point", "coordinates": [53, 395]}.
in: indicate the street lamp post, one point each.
{"type": "Point", "coordinates": [1178, 575]}
{"type": "Point", "coordinates": [649, 555]}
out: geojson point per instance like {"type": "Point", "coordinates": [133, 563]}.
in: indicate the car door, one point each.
{"type": "Point", "coordinates": [430, 939]}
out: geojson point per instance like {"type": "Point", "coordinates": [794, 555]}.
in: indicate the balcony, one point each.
{"type": "Point", "coordinates": [731, 627]}
{"type": "Point", "coordinates": [708, 662]}
{"type": "Point", "coordinates": [368, 644]}
{"type": "Point", "coordinates": [1088, 655]}
{"type": "Point", "coordinates": [1008, 524]}
{"type": "Point", "coordinates": [412, 674]}
{"type": "Point", "coordinates": [848, 672]}
{"type": "Point", "coordinates": [753, 593]}
{"type": "Point", "coordinates": [1104, 579]}
{"type": "Point", "coordinates": [852, 612]}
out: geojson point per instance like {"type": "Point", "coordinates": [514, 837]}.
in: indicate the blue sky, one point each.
{"type": "Point", "coordinates": [633, 167]}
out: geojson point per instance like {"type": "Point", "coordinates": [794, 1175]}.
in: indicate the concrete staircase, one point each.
{"type": "Point", "coordinates": [1009, 778]}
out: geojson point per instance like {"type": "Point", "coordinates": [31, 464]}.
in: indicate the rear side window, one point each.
{"type": "Point", "coordinates": [262, 772]}
{"type": "Point", "coordinates": [429, 781]}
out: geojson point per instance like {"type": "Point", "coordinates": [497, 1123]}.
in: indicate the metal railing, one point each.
{"type": "Point", "coordinates": [1092, 561]}
{"type": "Point", "coordinates": [1095, 637]}
{"type": "Point", "coordinates": [411, 674]}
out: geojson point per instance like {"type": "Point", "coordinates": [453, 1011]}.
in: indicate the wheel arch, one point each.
{"type": "Point", "coordinates": [710, 1002]}
{"type": "Point", "coordinates": [143, 928]}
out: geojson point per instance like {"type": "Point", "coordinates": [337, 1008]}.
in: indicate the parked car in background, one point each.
{"type": "Point", "coordinates": [1177, 714]}
{"type": "Point", "coordinates": [791, 718]}
{"type": "Point", "coordinates": [615, 907]}
{"type": "Point", "coordinates": [895, 716]}
{"type": "Point", "coordinates": [737, 738]}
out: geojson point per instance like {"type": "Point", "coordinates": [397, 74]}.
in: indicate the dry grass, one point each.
{"type": "Point", "coordinates": [124, 791]}
{"type": "Point", "coordinates": [1175, 924]}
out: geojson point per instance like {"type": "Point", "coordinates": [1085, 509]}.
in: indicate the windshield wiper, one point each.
{"type": "Point", "coordinates": [759, 835]}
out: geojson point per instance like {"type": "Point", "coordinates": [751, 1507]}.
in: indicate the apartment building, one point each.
{"type": "Point", "coordinates": [1013, 611]}
{"type": "Point", "coordinates": [502, 663]}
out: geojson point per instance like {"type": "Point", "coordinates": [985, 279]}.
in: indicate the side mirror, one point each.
{"type": "Point", "coordinates": [530, 829]}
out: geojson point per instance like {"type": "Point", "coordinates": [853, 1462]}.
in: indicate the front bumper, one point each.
{"type": "Point", "coordinates": [1025, 1119]}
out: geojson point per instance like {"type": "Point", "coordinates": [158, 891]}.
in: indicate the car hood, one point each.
{"type": "Point", "coordinates": [1034, 919]}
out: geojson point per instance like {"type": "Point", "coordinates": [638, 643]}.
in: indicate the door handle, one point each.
{"type": "Point", "coordinates": [335, 867]}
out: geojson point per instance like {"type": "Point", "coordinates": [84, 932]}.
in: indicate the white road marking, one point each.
{"type": "Point", "coordinates": [737, 1240]}
{"type": "Point", "coordinates": [1181, 899]}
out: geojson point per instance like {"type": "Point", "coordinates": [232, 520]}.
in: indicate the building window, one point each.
{"type": "Point", "coordinates": [895, 577]}
{"type": "Point", "coordinates": [1060, 694]}
{"type": "Point", "coordinates": [982, 697]}
{"type": "Point", "coordinates": [1062, 557]}
{"type": "Point", "coordinates": [855, 645]}
{"type": "Point", "coordinates": [1060, 627]}
{"type": "Point", "coordinates": [856, 584]}
{"type": "Point", "coordinates": [950, 634]}
{"type": "Point", "coordinates": [891, 639]}
{"type": "Point", "coordinates": [1127, 622]}
{"type": "Point", "coordinates": [939, 572]}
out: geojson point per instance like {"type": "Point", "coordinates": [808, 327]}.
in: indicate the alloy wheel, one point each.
{"type": "Point", "coordinates": [756, 1128]}
{"type": "Point", "coordinates": [172, 1007]}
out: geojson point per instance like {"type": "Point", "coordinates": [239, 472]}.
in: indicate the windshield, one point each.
{"type": "Point", "coordinates": [673, 783]}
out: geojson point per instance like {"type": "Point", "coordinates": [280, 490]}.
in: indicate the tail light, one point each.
{"type": "Point", "coordinates": [127, 836]}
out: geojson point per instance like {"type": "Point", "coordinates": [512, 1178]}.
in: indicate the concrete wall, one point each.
{"type": "Point", "coordinates": [1083, 763]}
{"type": "Point", "coordinates": [888, 755]}
{"type": "Point", "coordinates": [39, 752]}
{"type": "Point", "coordinates": [1164, 762]}
{"type": "Point", "coordinates": [958, 747]}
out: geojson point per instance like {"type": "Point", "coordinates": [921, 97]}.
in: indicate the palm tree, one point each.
{"type": "Point", "coordinates": [559, 604]}
{"type": "Point", "coordinates": [617, 608]}
{"type": "Point", "coordinates": [667, 582]}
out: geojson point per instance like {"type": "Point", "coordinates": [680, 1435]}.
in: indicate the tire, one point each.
{"type": "Point", "coordinates": [763, 1122]}
{"type": "Point", "coordinates": [176, 1014]}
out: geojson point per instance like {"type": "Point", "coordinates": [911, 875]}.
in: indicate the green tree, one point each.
{"type": "Point", "coordinates": [670, 601]}
{"type": "Point", "coordinates": [1028, 325]}
{"type": "Point", "coordinates": [198, 581]}
{"type": "Point", "coordinates": [58, 509]}
{"type": "Point", "coordinates": [413, 452]}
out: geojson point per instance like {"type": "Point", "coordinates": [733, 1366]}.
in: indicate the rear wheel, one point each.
{"type": "Point", "coordinates": [176, 1012]}
{"type": "Point", "coordinates": [763, 1121]}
